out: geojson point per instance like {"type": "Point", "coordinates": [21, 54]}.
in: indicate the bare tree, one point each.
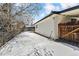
{"type": "Point", "coordinates": [26, 11]}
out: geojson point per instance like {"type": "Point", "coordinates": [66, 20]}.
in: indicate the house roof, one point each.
{"type": "Point", "coordinates": [59, 12]}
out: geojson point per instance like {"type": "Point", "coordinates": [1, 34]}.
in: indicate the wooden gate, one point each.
{"type": "Point", "coordinates": [69, 31]}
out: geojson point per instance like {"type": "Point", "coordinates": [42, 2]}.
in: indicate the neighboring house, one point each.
{"type": "Point", "coordinates": [48, 26]}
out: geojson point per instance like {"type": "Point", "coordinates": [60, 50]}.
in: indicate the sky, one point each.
{"type": "Point", "coordinates": [46, 8]}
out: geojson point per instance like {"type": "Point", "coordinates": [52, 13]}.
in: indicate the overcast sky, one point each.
{"type": "Point", "coordinates": [48, 7]}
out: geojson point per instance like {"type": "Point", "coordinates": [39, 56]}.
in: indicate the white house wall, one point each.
{"type": "Point", "coordinates": [49, 26]}
{"type": "Point", "coordinates": [45, 27]}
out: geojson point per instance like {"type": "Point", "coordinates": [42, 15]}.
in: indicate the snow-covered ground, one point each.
{"type": "Point", "coordinates": [31, 44]}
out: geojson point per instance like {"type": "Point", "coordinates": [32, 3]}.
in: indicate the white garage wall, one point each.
{"type": "Point", "coordinates": [57, 20]}
{"type": "Point", "coordinates": [45, 27]}
{"type": "Point", "coordinates": [49, 26]}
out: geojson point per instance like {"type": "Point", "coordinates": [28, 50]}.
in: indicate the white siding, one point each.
{"type": "Point", "coordinates": [48, 25]}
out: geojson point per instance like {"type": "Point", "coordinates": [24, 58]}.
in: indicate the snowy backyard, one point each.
{"type": "Point", "coordinates": [31, 44]}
